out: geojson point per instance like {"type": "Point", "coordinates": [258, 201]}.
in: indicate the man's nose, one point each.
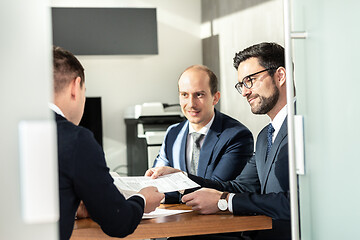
{"type": "Point", "coordinates": [245, 91]}
{"type": "Point", "coordinates": [192, 101]}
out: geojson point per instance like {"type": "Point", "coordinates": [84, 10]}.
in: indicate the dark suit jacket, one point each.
{"type": "Point", "coordinates": [263, 186]}
{"type": "Point", "coordinates": [227, 147]}
{"type": "Point", "coordinates": [83, 175]}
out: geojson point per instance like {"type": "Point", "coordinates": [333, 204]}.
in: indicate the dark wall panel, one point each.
{"type": "Point", "coordinates": [105, 31]}
{"type": "Point", "coordinates": [211, 57]}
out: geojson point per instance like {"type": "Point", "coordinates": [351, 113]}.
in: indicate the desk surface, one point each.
{"type": "Point", "coordinates": [184, 224]}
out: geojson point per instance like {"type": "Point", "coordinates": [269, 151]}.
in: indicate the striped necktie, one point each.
{"type": "Point", "coordinates": [195, 152]}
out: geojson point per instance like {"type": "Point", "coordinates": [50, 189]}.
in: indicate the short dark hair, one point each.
{"type": "Point", "coordinates": [213, 79]}
{"type": "Point", "coordinates": [65, 69]}
{"type": "Point", "coordinates": [270, 55]}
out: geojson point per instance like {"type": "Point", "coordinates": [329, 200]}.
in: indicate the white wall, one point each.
{"type": "Point", "coordinates": [249, 26]}
{"type": "Point", "coordinates": [124, 81]}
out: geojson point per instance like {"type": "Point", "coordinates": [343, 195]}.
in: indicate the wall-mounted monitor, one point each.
{"type": "Point", "coordinates": [105, 31]}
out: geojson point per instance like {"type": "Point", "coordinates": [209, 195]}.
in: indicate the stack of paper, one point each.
{"type": "Point", "coordinates": [167, 183]}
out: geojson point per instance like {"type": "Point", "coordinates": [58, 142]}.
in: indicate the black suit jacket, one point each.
{"type": "Point", "coordinates": [83, 175]}
{"type": "Point", "coordinates": [263, 186]}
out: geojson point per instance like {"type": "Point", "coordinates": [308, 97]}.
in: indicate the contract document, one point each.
{"type": "Point", "coordinates": [167, 183]}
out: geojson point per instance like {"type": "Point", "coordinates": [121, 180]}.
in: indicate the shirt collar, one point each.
{"type": "Point", "coordinates": [56, 109]}
{"type": "Point", "coordinates": [279, 118]}
{"type": "Point", "coordinates": [205, 129]}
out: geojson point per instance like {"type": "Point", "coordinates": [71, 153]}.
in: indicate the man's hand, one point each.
{"type": "Point", "coordinates": [153, 198]}
{"type": "Point", "coordinates": [203, 200]}
{"type": "Point", "coordinates": [160, 171]}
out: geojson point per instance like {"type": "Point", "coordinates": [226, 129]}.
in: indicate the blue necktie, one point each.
{"type": "Point", "coordinates": [269, 138]}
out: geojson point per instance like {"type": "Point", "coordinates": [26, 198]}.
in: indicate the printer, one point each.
{"type": "Point", "coordinates": [146, 125]}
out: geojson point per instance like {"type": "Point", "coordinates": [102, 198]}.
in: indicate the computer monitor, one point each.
{"type": "Point", "coordinates": [92, 118]}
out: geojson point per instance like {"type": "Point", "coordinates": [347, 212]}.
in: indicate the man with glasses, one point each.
{"type": "Point", "coordinates": [263, 185]}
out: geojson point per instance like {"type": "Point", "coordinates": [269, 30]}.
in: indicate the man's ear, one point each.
{"type": "Point", "coordinates": [281, 76]}
{"type": "Point", "coordinates": [216, 98]}
{"type": "Point", "coordinates": [75, 87]}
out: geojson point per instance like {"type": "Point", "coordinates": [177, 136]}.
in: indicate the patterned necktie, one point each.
{"type": "Point", "coordinates": [195, 152]}
{"type": "Point", "coordinates": [269, 138]}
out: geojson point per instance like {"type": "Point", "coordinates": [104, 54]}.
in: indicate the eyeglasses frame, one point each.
{"type": "Point", "coordinates": [239, 88]}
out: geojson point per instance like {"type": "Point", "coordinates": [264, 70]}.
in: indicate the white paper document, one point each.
{"type": "Point", "coordinates": [168, 183]}
{"type": "Point", "coordinates": [160, 212]}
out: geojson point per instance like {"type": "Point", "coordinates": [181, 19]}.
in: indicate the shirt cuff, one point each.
{"type": "Point", "coordinates": [140, 195]}
{"type": "Point", "coordinates": [230, 206]}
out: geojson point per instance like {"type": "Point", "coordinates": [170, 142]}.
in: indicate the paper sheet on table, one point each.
{"type": "Point", "coordinates": [160, 212]}
{"type": "Point", "coordinates": [168, 183]}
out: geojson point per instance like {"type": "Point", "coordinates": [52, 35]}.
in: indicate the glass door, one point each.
{"type": "Point", "coordinates": [28, 174]}
{"type": "Point", "coordinates": [327, 85]}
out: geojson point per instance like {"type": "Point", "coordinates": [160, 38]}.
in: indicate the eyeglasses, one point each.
{"type": "Point", "coordinates": [248, 81]}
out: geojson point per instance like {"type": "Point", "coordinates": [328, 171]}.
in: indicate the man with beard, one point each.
{"type": "Point", "coordinates": [263, 185]}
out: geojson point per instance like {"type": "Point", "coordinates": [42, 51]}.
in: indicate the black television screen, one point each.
{"type": "Point", "coordinates": [92, 118]}
{"type": "Point", "coordinates": [105, 31]}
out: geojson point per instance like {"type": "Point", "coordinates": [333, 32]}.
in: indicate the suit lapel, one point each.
{"type": "Point", "coordinates": [183, 148]}
{"type": "Point", "coordinates": [261, 155]}
{"type": "Point", "coordinates": [209, 144]}
{"type": "Point", "coordinates": [272, 154]}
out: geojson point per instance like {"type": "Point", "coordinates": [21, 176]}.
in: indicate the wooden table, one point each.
{"type": "Point", "coordinates": [184, 224]}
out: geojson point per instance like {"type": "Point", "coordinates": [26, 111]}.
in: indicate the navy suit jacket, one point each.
{"type": "Point", "coordinates": [263, 185]}
{"type": "Point", "coordinates": [83, 175]}
{"type": "Point", "coordinates": [227, 147]}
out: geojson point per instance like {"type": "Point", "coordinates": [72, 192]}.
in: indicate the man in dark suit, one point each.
{"type": "Point", "coordinates": [263, 185]}
{"type": "Point", "coordinates": [226, 144]}
{"type": "Point", "coordinates": [83, 174]}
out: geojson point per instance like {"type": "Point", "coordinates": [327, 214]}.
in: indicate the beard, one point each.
{"type": "Point", "coordinates": [266, 103]}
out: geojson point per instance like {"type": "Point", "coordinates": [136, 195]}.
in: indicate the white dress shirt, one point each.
{"type": "Point", "coordinates": [56, 109]}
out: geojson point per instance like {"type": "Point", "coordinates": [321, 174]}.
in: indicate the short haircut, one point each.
{"type": "Point", "coordinates": [270, 56]}
{"type": "Point", "coordinates": [66, 68]}
{"type": "Point", "coordinates": [213, 79]}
